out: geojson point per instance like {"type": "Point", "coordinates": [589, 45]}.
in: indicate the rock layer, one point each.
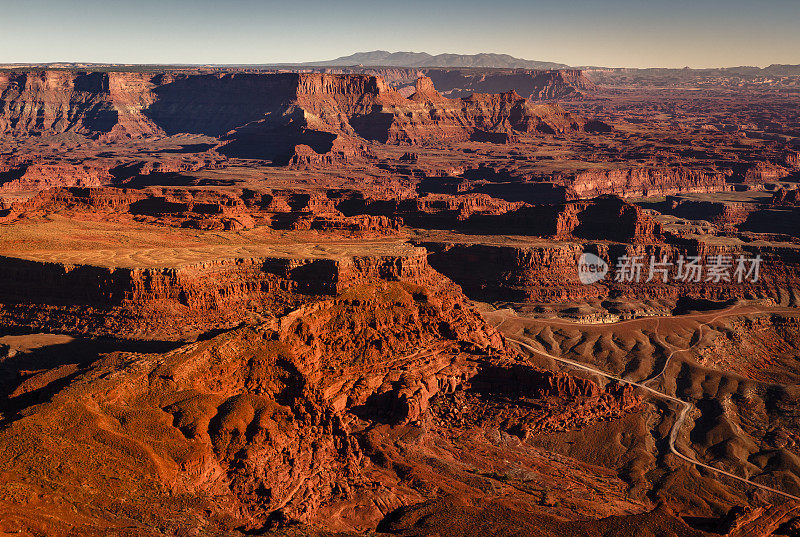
{"type": "Point", "coordinates": [321, 416]}
{"type": "Point", "coordinates": [185, 300]}
{"type": "Point", "coordinates": [267, 115]}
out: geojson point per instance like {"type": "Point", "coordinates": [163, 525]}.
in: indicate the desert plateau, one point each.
{"type": "Point", "coordinates": [396, 294]}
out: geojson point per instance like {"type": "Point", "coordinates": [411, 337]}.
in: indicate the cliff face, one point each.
{"type": "Point", "coordinates": [516, 183]}
{"type": "Point", "coordinates": [52, 102]}
{"type": "Point", "coordinates": [35, 174]}
{"type": "Point", "coordinates": [534, 85]}
{"type": "Point", "coordinates": [214, 104]}
{"type": "Point", "coordinates": [648, 182]}
{"type": "Point", "coordinates": [721, 213]}
{"type": "Point", "coordinates": [171, 303]}
{"type": "Point", "coordinates": [28, 171]}
{"type": "Point", "coordinates": [546, 271]}
{"type": "Point", "coordinates": [263, 115]}
{"type": "Point", "coordinates": [494, 117]}
{"type": "Point", "coordinates": [329, 108]}
{"type": "Point", "coordinates": [204, 209]}
{"type": "Point", "coordinates": [603, 218]}
{"type": "Point", "coordinates": [549, 273]}
{"type": "Point", "coordinates": [783, 196]}
{"type": "Point", "coordinates": [609, 218]}
{"type": "Point", "coordinates": [334, 414]}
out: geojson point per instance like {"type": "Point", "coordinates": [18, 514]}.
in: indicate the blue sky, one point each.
{"type": "Point", "coordinates": [700, 33]}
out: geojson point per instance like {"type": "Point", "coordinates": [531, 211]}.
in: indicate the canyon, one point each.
{"type": "Point", "coordinates": [348, 300]}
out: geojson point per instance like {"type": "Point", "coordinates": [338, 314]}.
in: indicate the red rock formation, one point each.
{"type": "Point", "coordinates": [759, 172]}
{"type": "Point", "coordinates": [607, 217]}
{"type": "Point", "coordinates": [89, 199]}
{"type": "Point", "coordinates": [51, 102]}
{"type": "Point", "coordinates": [722, 213]}
{"type": "Point", "coordinates": [362, 222]}
{"type": "Point", "coordinates": [549, 273]}
{"type": "Point", "coordinates": [316, 416]}
{"type": "Point", "coordinates": [202, 209]}
{"type": "Point", "coordinates": [647, 182]}
{"type": "Point", "coordinates": [761, 521]}
{"type": "Point", "coordinates": [331, 375]}
{"type": "Point", "coordinates": [188, 299]}
{"type": "Point", "coordinates": [176, 207]}
{"type": "Point", "coordinates": [783, 196]}
{"type": "Point", "coordinates": [434, 209]}
{"type": "Point", "coordinates": [343, 150]}
{"type": "Point", "coordinates": [534, 85]}
{"type": "Point", "coordinates": [293, 109]}
{"type": "Point", "coordinates": [38, 174]}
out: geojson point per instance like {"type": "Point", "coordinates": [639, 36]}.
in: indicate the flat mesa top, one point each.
{"type": "Point", "coordinates": [56, 239]}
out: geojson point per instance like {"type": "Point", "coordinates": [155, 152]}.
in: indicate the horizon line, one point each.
{"type": "Point", "coordinates": [318, 63]}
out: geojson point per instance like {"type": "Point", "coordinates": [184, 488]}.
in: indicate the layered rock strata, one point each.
{"type": "Point", "coordinates": [181, 301]}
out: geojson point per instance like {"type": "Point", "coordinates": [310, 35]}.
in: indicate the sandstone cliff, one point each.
{"type": "Point", "coordinates": [549, 273]}
{"type": "Point", "coordinates": [645, 181]}
{"type": "Point", "coordinates": [261, 115]}
{"type": "Point", "coordinates": [189, 299]}
{"type": "Point", "coordinates": [532, 84]}
{"type": "Point", "coordinates": [49, 102]}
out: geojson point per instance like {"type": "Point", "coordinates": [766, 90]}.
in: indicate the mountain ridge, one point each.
{"type": "Point", "coordinates": [423, 59]}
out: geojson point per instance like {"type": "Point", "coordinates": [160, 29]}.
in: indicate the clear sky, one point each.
{"type": "Point", "coordinates": [644, 33]}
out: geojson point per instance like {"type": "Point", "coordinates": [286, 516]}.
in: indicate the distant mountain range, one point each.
{"type": "Point", "coordinates": [658, 76]}
{"type": "Point", "coordinates": [384, 58]}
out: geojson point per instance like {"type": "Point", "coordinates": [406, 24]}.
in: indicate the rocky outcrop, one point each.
{"type": "Point", "coordinates": [432, 210]}
{"type": "Point", "coordinates": [175, 302]}
{"type": "Point", "coordinates": [520, 274]}
{"type": "Point", "coordinates": [204, 209]}
{"type": "Point", "coordinates": [534, 85]}
{"type": "Point", "coordinates": [721, 213]}
{"type": "Point", "coordinates": [318, 416]}
{"type": "Point", "coordinates": [549, 273]}
{"type": "Point", "coordinates": [783, 196]}
{"type": "Point", "coordinates": [758, 173]}
{"type": "Point", "coordinates": [503, 113]}
{"type": "Point", "coordinates": [88, 199]}
{"type": "Point", "coordinates": [342, 151]}
{"type": "Point", "coordinates": [517, 182]}
{"type": "Point", "coordinates": [26, 172]}
{"type": "Point", "coordinates": [38, 174]}
{"type": "Point", "coordinates": [264, 115]}
{"type": "Point", "coordinates": [640, 182]}
{"type": "Point", "coordinates": [761, 521]}
{"type": "Point", "coordinates": [605, 217]}
{"type": "Point", "coordinates": [51, 102]}
{"type": "Point", "coordinates": [359, 223]}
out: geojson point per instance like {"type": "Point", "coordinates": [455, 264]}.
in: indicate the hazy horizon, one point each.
{"type": "Point", "coordinates": [286, 63]}
{"type": "Point", "coordinates": [617, 33]}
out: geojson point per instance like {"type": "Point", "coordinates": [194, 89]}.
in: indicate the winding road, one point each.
{"type": "Point", "coordinates": [686, 406]}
